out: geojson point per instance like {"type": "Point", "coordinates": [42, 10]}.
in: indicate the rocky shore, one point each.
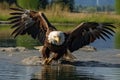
{"type": "Point", "coordinates": [87, 56]}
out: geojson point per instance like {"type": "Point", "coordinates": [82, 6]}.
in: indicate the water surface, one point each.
{"type": "Point", "coordinates": [11, 71]}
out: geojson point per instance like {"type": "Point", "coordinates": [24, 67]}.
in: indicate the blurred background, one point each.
{"type": "Point", "coordinates": [64, 14]}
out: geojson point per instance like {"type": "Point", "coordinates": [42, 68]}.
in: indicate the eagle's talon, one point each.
{"type": "Point", "coordinates": [49, 61]}
{"type": "Point", "coordinates": [44, 62]}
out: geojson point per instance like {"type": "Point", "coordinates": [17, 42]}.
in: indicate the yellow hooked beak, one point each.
{"type": "Point", "coordinates": [57, 39]}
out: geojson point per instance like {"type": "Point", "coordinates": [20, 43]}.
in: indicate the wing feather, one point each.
{"type": "Point", "coordinates": [108, 32]}
{"type": "Point", "coordinates": [102, 37]}
{"type": "Point", "coordinates": [17, 9]}
{"type": "Point", "coordinates": [14, 21]}
{"type": "Point", "coordinates": [30, 22]}
{"type": "Point", "coordinates": [15, 25]}
{"type": "Point", "coordinates": [14, 17]}
{"type": "Point", "coordinates": [107, 28]}
{"type": "Point", "coordinates": [16, 13]}
{"type": "Point", "coordinates": [105, 34]}
{"type": "Point", "coordinates": [88, 32]}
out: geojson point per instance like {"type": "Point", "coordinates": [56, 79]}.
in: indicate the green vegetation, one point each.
{"type": "Point", "coordinates": [55, 14]}
{"type": "Point", "coordinates": [4, 11]}
{"type": "Point", "coordinates": [69, 4]}
{"type": "Point", "coordinates": [117, 38]}
{"type": "Point", "coordinates": [66, 17]}
{"type": "Point", "coordinates": [26, 41]}
{"type": "Point", "coordinates": [29, 4]}
{"type": "Point", "coordinates": [5, 31]}
{"type": "Point", "coordinates": [117, 5]}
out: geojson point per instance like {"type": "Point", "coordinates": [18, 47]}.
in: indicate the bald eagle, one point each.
{"type": "Point", "coordinates": [54, 41]}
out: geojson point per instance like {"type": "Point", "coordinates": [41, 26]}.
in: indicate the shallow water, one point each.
{"type": "Point", "coordinates": [11, 71]}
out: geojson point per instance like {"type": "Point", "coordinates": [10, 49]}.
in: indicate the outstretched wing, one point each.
{"type": "Point", "coordinates": [88, 32]}
{"type": "Point", "coordinates": [31, 22]}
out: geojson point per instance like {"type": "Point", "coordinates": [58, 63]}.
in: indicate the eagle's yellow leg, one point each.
{"type": "Point", "coordinates": [49, 60]}
{"type": "Point", "coordinates": [45, 61]}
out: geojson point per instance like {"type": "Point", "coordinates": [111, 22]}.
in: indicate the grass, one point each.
{"type": "Point", "coordinates": [65, 27]}
{"type": "Point", "coordinates": [4, 14]}
{"type": "Point", "coordinates": [5, 31]}
{"type": "Point", "coordinates": [58, 16]}
{"type": "Point", "coordinates": [83, 17]}
{"type": "Point", "coordinates": [77, 18]}
{"type": "Point", "coordinates": [4, 11]}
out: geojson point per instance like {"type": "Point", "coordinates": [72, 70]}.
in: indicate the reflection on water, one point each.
{"type": "Point", "coordinates": [11, 71]}
{"type": "Point", "coordinates": [101, 73]}
{"type": "Point", "coordinates": [67, 72]}
{"type": "Point", "coordinates": [63, 72]}
{"type": "Point", "coordinates": [7, 42]}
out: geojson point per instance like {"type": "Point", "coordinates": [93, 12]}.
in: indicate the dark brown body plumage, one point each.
{"type": "Point", "coordinates": [37, 26]}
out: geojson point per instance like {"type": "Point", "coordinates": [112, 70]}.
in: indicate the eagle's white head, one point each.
{"type": "Point", "coordinates": [56, 37]}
